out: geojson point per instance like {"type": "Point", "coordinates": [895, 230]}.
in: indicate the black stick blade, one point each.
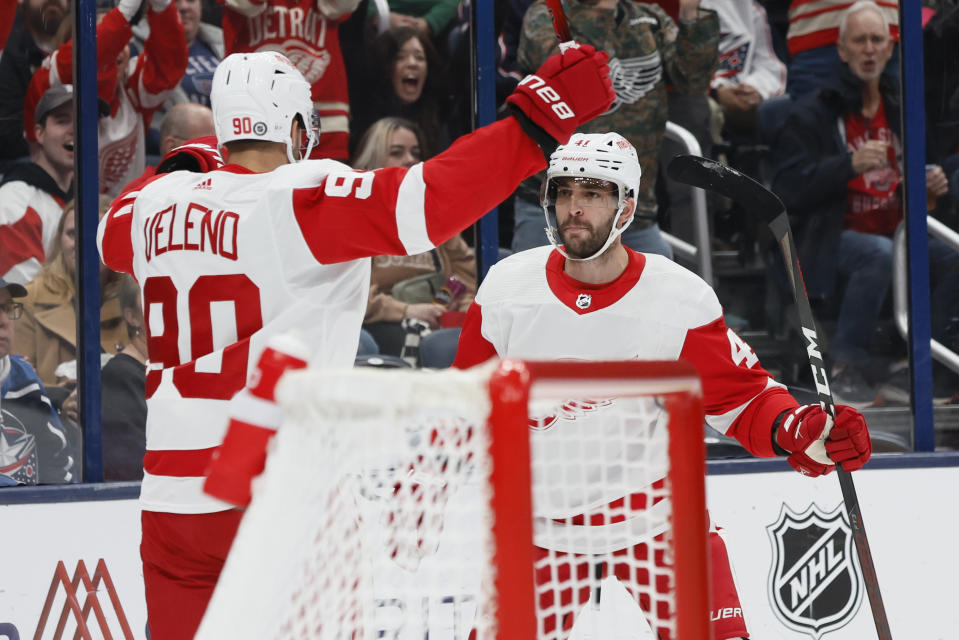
{"type": "Point", "coordinates": [713, 176]}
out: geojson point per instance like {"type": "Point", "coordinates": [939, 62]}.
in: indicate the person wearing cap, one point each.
{"type": "Point", "coordinates": [130, 90]}
{"type": "Point", "coordinates": [35, 447]}
{"type": "Point", "coordinates": [33, 194]}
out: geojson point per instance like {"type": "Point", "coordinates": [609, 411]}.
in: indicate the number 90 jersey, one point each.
{"type": "Point", "coordinates": [224, 262]}
{"type": "Point", "coordinates": [227, 259]}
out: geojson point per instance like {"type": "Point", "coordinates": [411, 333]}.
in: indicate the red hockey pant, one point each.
{"type": "Point", "coordinates": [726, 615]}
{"type": "Point", "coordinates": [183, 555]}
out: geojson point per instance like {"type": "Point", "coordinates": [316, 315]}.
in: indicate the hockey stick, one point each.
{"type": "Point", "coordinates": [558, 16]}
{"type": "Point", "coordinates": [713, 176]}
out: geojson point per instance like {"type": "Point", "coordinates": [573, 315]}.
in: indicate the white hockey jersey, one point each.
{"type": "Point", "coordinates": [229, 258]}
{"type": "Point", "coordinates": [528, 307]}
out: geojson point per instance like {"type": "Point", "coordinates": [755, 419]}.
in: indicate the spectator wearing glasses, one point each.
{"type": "Point", "coordinates": [36, 448]}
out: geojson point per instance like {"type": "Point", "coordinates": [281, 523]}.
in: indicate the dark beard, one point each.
{"type": "Point", "coordinates": [44, 20]}
{"type": "Point", "coordinates": [587, 247]}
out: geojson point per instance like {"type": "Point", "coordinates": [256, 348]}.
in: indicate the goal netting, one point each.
{"type": "Point", "coordinates": [520, 500]}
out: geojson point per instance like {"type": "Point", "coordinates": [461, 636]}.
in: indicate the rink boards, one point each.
{"type": "Point", "coordinates": [795, 565]}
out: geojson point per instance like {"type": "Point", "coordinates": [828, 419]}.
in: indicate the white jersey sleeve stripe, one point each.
{"type": "Point", "coordinates": [722, 422]}
{"type": "Point", "coordinates": [411, 212]}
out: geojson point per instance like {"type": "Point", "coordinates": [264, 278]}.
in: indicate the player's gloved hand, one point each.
{"type": "Point", "coordinates": [569, 89]}
{"type": "Point", "coordinates": [816, 444]}
{"type": "Point", "coordinates": [198, 155]}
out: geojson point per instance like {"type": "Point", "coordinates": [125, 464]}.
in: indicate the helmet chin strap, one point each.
{"type": "Point", "coordinates": [614, 232]}
{"type": "Point", "coordinates": [305, 154]}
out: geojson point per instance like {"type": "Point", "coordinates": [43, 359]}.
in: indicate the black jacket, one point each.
{"type": "Point", "coordinates": [20, 60]}
{"type": "Point", "coordinates": [812, 168]}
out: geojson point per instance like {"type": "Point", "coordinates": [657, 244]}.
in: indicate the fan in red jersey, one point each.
{"type": "Point", "coordinates": [588, 297]}
{"type": "Point", "coordinates": [233, 257]}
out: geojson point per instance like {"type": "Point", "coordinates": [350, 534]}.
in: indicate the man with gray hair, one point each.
{"type": "Point", "coordinates": [838, 170]}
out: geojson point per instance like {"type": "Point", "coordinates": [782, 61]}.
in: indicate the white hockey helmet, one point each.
{"type": "Point", "coordinates": [596, 156]}
{"type": "Point", "coordinates": [256, 96]}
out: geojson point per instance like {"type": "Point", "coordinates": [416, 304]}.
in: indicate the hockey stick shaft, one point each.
{"type": "Point", "coordinates": [711, 175]}
{"type": "Point", "coordinates": [781, 230]}
{"type": "Point", "coordinates": [558, 16]}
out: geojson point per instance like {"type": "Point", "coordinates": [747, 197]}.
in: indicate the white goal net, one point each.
{"type": "Point", "coordinates": [530, 500]}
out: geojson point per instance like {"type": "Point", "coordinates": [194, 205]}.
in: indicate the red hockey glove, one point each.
{"type": "Point", "coordinates": [816, 444]}
{"type": "Point", "coordinates": [198, 155]}
{"type": "Point", "coordinates": [572, 87]}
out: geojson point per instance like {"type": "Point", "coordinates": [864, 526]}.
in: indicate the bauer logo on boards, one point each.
{"type": "Point", "coordinates": [814, 582]}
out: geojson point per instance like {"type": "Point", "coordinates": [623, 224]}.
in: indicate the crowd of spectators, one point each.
{"type": "Point", "coordinates": [389, 88]}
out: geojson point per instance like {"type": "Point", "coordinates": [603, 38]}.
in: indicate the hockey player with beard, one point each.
{"type": "Point", "coordinates": [230, 258]}
{"type": "Point", "coordinates": [587, 297]}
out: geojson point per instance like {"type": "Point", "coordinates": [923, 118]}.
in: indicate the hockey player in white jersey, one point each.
{"type": "Point", "coordinates": [229, 258]}
{"type": "Point", "coordinates": [588, 297]}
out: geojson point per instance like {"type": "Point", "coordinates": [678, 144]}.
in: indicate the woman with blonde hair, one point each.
{"type": "Point", "coordinates": [47, 331]}
{"type": "Point", "coordinates": [412, 286]}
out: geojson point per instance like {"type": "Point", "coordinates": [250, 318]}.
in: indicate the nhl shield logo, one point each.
{"type": "Point", "coordinates": [814, 581]}
{"type": "Point", "coordinates": [583, 300]}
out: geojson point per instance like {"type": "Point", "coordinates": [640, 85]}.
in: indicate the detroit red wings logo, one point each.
{"type": "Point", "coordinates": [312, 63]}
{"type": "Point", "coordinates": [569, 410]}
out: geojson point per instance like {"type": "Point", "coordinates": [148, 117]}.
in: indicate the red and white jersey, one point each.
{"type": "Point", "coordinates": [528, 307]}
{"type": "Point", "coordinates": [227, 259]}
{"type": "Point", "coordinates": [29, 217]}
{"type": "Point", "coordinates": [150, 78]}
{"type": "Point", "coordinates": [306, 32]}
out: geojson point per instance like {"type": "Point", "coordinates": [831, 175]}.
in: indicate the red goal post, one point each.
{"type": "Point", "coordinates": [414, 504]}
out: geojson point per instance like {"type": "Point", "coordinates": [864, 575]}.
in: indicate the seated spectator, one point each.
{"type": "Point", "coordinates": [812, 37]}
{"type": "Point", "coordinates": [184, 123]}
{"type": "Point", "coordinates": [843, 185]}
{"type": "Point", "coordinates": [394, 142]}
{"type": "Point", "coordinates": [405, 81]}
{"type": "Point", "coordinates": [46, 333]}
{"type": "Point", "coordinates": [37, 449]}
{"type": "Point", "coordinates": [35, 33]}
{"type": "Point", "coordinates": [122, 385]}
{"type": "Point", "coordinates": [749, 71]}
{"type": "Point", "coordinates": [32, 194]}
{"type": "Point", "coordinates": [647, 50]}
{"type": "Point", "coordinates": [130, 88]}
{"type": "Point", "coordinates": [306, 32]}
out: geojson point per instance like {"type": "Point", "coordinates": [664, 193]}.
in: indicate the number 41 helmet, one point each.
{"type": "Point", "coordinates": [256, 96]}
{"type": "Point", "coordinates": [597, 156]}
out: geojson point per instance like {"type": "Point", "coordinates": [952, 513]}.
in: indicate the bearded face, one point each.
{"type": "Point", "coordinates": [585, 210]}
